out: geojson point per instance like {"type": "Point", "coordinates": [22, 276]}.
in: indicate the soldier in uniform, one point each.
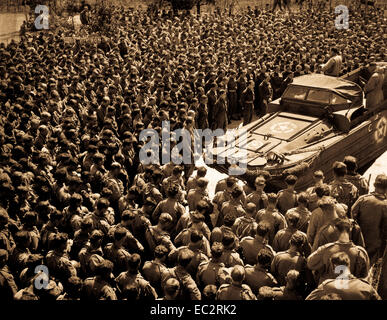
{"type": "Point", "coordinates": [234, 207]}
{"type": "Point", "coordinates": [58, 261]}
{"type": "Point", "coordinates": [248, 103]}
{"type": "Point", "coordinates": [220, 111]}
{"type": "Point", "coordinates": [265, 94]}
{"type": "Point", "coordinates": [374, 87]}
{"type": "Point", "coordinates": [8, 286]}
{"type": "Point", "coordinates": [91, 255]}
{"type": "Point", "coordinates": [334, 64]}
{"type": "Point", "coordinates": [370, 211]}
{"type": "Point", "coordinates": [131, 284]}
{"type": "Point", "coordinates": [230, 256]}
{"type": "Point", "coordinates": [153, 270]}
{"type": "Point", "coordinates": [188, 287]}
{"type": "Point", "coordinates": [244, 225]}
{"type": "Point", "coordinates": [319, 260]}
{"type": "Point", "coordinates": [212, 98]}
{"type": "Point", "coordinates": [212, 272]}
{"type": "Point", "coordinates": [115, 251]}
{"type": "Point", "coordinates": [198, 194]}
{"type": "Point", "coordinates": [236, 290]}
{"type": "Point", "coordinates": [291, 259]}
{"type": "Point", "coordinates": [251, 245]}
{"type": "Point", "coordinates": [257, 275]}
{"type": "Point", "coordinates": [272, 216]}
{"type": "Point", "coordinates": [282, 238]}
{"type": "Point", "coordinates": [354, 177]}
{"type": "Point", "coordinates": [156, 235]}
{"type": "Point", "coordinates": [344, 283]}
{"type": "Point", "coordinates": [287, 198]}
{"type": "Point", "coordinates": [192, 181]}
{"type": "Point", "coordinates": [341, 189]}
{"type": "Point", "coordinates": [98, 287]}
{"type": "Point", "coordinates": [258, 197]}
{"type": "Point", "coordinates": [232, 96]}
{"type": "Point", "coordinates": [171, 289]}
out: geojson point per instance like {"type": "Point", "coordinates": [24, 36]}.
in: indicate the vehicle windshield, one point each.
{"type": "Point", "coordinates": [295, 92]}
{"type": "Point", "coordinates": [323, 97]}
{"type": "Point", "coordinates": [320, 96]}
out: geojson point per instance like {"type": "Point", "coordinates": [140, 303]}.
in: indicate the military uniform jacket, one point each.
{"type": "Point", "coordinates": [210, 272]}
{"type": "Point", "coordinates": [235, 292]}
{"type": "Point", "coordinates": [126, 280]}
{"type": "Point", "coordinates": [257, 277]}
{"type": "Point", "coordinates": [96, 288]}
{"type": "Point", "coordinates": [8, 286]}
{"type": "Point", "coordinates": [188, 287]}
{"type": "Point", "coordinates": [351, 289]}
{"type": "Point", "coordinates": [370, 211]}
{"type": "Point", "coordinates": [319, 260]}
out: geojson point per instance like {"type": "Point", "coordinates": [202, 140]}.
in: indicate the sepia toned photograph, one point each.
{"type": "Point", "coordinates": [196, 151]}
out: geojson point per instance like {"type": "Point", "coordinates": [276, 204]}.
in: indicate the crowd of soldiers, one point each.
{"type": "Point", "coordinates": [82, 218]}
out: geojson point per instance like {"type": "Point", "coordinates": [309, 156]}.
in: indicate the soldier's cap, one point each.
{"type": "Point", "coordinates": [165, 217]}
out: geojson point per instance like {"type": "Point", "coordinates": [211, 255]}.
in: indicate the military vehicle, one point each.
{"type": "Point", "coordinates": [318, 120]}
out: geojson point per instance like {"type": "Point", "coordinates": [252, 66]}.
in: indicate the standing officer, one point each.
{"type": "Point", "coordinates": [248, 103]}
{"type": "Point", "coordinates": [334, 64]}
{"type": "Point", "coordinates": [265, 93]}
{"type": "Point", "coordinates": [374, 88]}
{"type": "Point", "coordinates": [236, 290]}
{"type": "Point", "coordinates": [232, 96]}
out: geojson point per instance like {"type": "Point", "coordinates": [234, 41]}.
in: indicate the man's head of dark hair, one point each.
{"type": "Point", "coordinates": [343, 225]}
{"type": "Point", "coordinates": [134, 262]}
{"type": "Point", "coordinates": [322, 190]}
{"type": "Point", "coordinates": [185, 257]}
{"type": "Point", "coordinates": [297, 240]}
{"type": "Point", "coordinates": [161, 251]}
{"type": "Point", "coordinates": [196, 236]}
{"type": "Point", "coordinates": [351, 163]}
{"type": "Point", "coordinates": [339, 169]}
{"type": "Point", "coordinates": [119, 233]}
{"type": "Point", "coordinates": [340, 259]}
{"type": "Point", "coordinates": [291, 180]}
{"type": "Point", "coordinates": [228, 239]}
{"type": "Point", "coordinates": [262, 229]}
{"type": "Point", "coordinates": [264, 257]}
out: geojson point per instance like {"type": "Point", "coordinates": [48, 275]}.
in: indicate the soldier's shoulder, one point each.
{"type": "Point", "coordinates": [246, 287]}
{"type": "Point", "coordinates": [362, 250]}
{"type": "Point", "coordinates": [224, 287]}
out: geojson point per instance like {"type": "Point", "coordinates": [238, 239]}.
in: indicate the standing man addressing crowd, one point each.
{"type": "Point", "coordinates": [334, 64]}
